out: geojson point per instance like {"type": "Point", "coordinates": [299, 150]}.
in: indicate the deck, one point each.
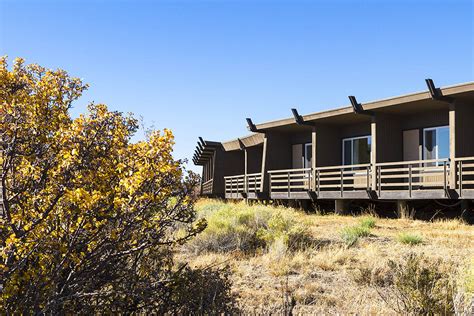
{"type": "Point", "coordinates": [403, 180]}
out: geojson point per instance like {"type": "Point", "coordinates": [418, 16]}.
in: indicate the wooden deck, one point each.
{"type": "Point", "coordinates": [403, 180]}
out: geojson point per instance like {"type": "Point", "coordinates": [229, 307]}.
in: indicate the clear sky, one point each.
{"type": "Point", "coordinates": [201, 67]}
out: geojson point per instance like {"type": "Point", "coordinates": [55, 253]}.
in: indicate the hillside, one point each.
{"type": "Point", "coordinates": [284, 260]}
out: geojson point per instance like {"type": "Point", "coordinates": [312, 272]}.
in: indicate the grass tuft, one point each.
{"type": "Point", "coordinates": [368, 222]}
{"type": "Point", "coordinates": [410, 239]}
{"type": "Point", "coordinates": [350, 235]}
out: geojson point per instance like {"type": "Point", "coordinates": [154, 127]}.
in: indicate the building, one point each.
{"type": "Point", "coordinates": [410, 147]}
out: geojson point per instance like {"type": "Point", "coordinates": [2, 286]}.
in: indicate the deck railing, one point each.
{"type": "Point", "coordinates": [412, 175]}
{"type": "Point", "coordinates": [249, 183]}
{"type": "Point", "coordinates": [253, 182]}
{"type": "Point", "coordinates": [343, 178]}
{"type": "Point", "coordinates": [207, 187]}
{"type": "Point", "coordinates": [464, 173]}
{"type": "Point", "coordinates": [433, 178]}
{"type": "Point", "coordinates": [290, 180]}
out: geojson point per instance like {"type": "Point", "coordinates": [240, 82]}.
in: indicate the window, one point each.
{"type": "Point", "coordinates": [436, 143]}
{"type": "Point", "coordinates": [308, 154]}
{"type": "Point", "coordinates": [356, 150]}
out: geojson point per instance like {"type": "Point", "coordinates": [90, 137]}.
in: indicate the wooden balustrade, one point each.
{"type": "Point", "coordinates": [343, 178]}
{"type": "Point", "coordinates": [290, 180]}
{"type": "Point", "coordinates": [412, 175]}
{"type": "Point", "coordinates": [207, 187]}
{"type": "Point", "coordinates": [239, 184]}
{"type": "Point", "coordinates": [416, 179]}
{"type": "Point", "coordinates": [464, 174]}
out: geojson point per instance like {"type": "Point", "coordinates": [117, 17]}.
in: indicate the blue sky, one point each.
{"type": "Point", "coordinates": [201, 67]}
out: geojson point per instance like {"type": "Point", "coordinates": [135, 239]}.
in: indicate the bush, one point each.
{"type": "Point", "coordinates": [283, 226]}
{"type": "Point", "coordinates": [368, 222]}
{"type": "Point", "coordinates": [420, 287]}
{"type": "Point", "coordinates": [200, 292]}
{"type": "Point", "coordinates": [236, 226]}
{"type": "Point", "coordinates": [350, 235]}
{"type": "Point", "coordinates": [409, 239]}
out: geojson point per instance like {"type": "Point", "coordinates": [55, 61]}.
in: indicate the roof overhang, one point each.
{"type": "Point", "coordinates": [422, 100]}
{"type": "Point", "coordinates": [246, 141]}
{"type": "Point", "coordinates": [204, 151]}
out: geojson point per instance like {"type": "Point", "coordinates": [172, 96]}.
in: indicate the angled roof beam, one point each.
{"type": "Point", "coordinates": [436, 93]}
{"type": "Point", "coordinates": [208, 143]}
{"type": "Point", "coordinates": [251, 125]}
{"type": "Point", "coordinates": [241, 144]}
{"type": "Point", "coordinates": [200, 146]}
{"type": "Point", "coordinates": [357, 107]}
{"type": "Point", "coordinates": [299, 119]}
{"type": "Point", "coordinates": [201, 141]}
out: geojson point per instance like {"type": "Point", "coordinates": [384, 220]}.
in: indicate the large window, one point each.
{"type": "Point", "coordinates": [356, 150]}
{"type": "Point", "coordinates": [436, 143]}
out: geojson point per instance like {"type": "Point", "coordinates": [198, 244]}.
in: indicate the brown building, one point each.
{"type": "Point", "coordinates": [410, 147]}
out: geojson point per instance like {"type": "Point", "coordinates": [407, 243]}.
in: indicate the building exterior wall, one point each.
{"type": "Point", "coordinates": [464, 130]}
{"type": "Point", "coordinates": [254, 159]}
{"type": "Point", "coordinates": [389, 140]}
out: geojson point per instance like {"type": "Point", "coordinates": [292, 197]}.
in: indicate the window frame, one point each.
{"type": "Point", "coordinates": [436, 149]}
{"type": "Point", "coordinates": [351, 139]}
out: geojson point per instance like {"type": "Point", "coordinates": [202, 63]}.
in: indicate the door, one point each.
{"type": "Point", "coordinates": [411, 145]}
{"type": "Point", "coordinates": [297, 154]}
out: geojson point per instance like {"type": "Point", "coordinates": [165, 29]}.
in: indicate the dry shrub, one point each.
{"type": "Point", "coordinates": [201, 292]}
{"type": "Point", "coordinates": [420, 286]}
{"type": "Point", "coordinates": [372, 276]}
{"type": "Point", "coordinates": [239, 227]}
{"type": "Point", "coordinates": [464, 300]}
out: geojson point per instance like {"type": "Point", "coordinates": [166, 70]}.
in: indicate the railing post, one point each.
{"type": "Point", "coordinates": [246, 183]}
{"type": "Point", "coordinates": [318, 183]}
{"type": "Point", "coordinates": [288, 184]}
{"type": "Point", "coordinates": [409, 179]}
{"type": "Point", "coordinates": [309, 180]}
{"type": "Point", "coordinates": [342, 182]}
{"type": "Point", "coordinates": [368, 179]}
{"type": "Point", "coordinates": [445, 179]}
{"type": "Point", "coordinates": [460, 178]}
{"type": "Point", "coordinates": [379, 178]}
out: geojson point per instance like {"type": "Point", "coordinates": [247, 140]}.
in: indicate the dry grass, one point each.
{"type": "Point", "coordinates": [329, 277]}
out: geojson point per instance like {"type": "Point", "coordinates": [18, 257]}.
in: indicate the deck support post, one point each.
{"type": "Point", "coordinates": [452, 146]}
{"type": "Point", "coordinates": [373, 152]}
{"type": "Point", "coordinates": [341, 207]}
{"type": "Point", "coordinates": [402, 209]}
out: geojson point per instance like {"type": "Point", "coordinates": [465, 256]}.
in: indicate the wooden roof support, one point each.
{"type": "Point", "coordinates": [357, 107]}
{"type": "Point", "coordinates": [241, 144]}
{"type": "Point", "coordinates": [251, 125]}
{"type": "Point", "coordinates": [299, 119]}
{"type": "Point", "coordinates": [436, 93]}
